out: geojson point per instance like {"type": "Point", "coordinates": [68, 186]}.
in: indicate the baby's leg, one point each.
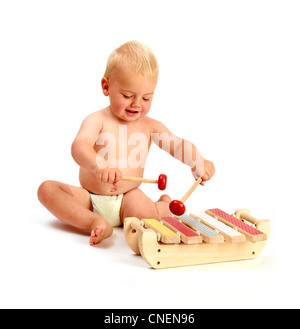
{"type": "Point", "coordinates": [136, 204]}
{"type": "Point", "coordinates": [73, 206]}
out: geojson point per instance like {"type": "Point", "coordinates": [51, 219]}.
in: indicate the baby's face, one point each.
{"type": "Point", "coordinates": [130, 94]}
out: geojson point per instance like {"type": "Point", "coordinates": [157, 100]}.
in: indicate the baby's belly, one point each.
{"type": "Point", "coordinates": [90, 183]}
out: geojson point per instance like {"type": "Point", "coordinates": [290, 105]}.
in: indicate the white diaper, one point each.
{"type": "Point", "coordinates": [108, 207]}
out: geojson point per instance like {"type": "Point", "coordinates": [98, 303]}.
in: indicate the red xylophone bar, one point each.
{"type": "Point", "coordinates": [251, 232]}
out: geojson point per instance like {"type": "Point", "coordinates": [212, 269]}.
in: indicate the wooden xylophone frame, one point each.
{"type": "Point", "coordinates": [159, 255]}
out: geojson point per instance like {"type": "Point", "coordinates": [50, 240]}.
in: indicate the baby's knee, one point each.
{"type": "Point", "coordinates": [137, 204]}
{"type": "Point", "coordinates": [46, 191]}
{"type": "Point", "coordinates": [148, 212]}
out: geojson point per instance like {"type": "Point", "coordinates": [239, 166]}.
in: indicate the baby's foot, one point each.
{"type": "Point", "coordinates": [162, 206]}
{"type": "Point", "coordinates": [100, 232]}
{"type": "Point", "coordinates": [97, 235]}
{"type": "Point", "coordinates": [165, 198]}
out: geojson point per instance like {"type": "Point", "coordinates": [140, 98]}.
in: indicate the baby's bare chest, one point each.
{"type": "Point", "coordinates": [123, 146]}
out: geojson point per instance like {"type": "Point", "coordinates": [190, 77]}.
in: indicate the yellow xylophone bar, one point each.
{"type": "Point", "coordinates": [165, 234]}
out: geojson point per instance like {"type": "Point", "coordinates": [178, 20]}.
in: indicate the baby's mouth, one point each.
{"type": "Point", "coordinates": [132, 111]}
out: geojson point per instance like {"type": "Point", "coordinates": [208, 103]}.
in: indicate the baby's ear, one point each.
{"type": "Point", "coordinates": [105, 86]}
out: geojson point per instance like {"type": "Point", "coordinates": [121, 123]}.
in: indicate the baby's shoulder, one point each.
{"type": "Point", "coordinates": [94, 122]}
{"type": "Point", "coordinates": [155, 125]}
{"type": "Point", "coordinates": [98, 115]}
{"type": "Point", "coordinates": [96, 118]}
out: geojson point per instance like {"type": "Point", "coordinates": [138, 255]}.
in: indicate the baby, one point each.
{"type": "Point", "coordinates": [115, 142]}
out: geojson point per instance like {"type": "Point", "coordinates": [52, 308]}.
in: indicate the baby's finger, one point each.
{"type": "Point", "coordinates": [104, 177]}
{"type": "Point", "coordinates": [118, 175]}
{"type": "Point", "coordinates": [111, 177]}
{"type": "Point", "coordinates": [99, 177]}
{"type": "Point", "coordinates": [204, 177]}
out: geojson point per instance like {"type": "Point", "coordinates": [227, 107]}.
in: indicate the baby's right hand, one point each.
{"type": "Point", "coordinates": [107, 175]}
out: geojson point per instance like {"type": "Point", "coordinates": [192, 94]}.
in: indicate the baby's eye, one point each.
{"type": "Point", "coordinates": [127, 96]}
{"type": "Point", "coordinates": [146, 99]}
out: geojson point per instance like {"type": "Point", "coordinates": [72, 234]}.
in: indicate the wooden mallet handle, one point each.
{"type": "Point", "coordinates": [191, 190]}
{"type": "Point", "coordinates": [161, 181]}
{"type": "Point", "coordinates": [177, 207]}
{"type": "Point", "coordinates": [139, 179]}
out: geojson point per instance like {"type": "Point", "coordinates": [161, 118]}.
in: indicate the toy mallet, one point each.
{"type": "Point", "coordinates": [177, 207]}
{"type": "Point", "coordinates": [161, 181]}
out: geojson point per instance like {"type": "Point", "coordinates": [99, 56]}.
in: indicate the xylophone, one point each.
{"type": "Point", "coordinates": [206, 237]}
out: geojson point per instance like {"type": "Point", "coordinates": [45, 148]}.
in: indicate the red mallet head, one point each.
{"type": "Point", "coordinates": [162, 182]}
{"type": "Point", "coordinates": [177, 207]}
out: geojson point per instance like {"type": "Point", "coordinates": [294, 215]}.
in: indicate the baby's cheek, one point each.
{"type": "Point", "coordinates": [117, 105]}
{"type": "Point", "coordinates": [146, 109]}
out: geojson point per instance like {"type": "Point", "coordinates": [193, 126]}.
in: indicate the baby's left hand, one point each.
{"type": "Point", "coordinates": [209, 171]}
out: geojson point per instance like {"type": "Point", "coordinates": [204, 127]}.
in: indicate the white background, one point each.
{"type": "Point", "coordinates": [229, 82]}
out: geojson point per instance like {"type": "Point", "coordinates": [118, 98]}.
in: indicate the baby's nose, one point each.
{"type": "Point", "coordinates": [136, 103]}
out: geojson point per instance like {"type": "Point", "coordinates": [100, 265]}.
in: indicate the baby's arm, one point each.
{"type": "Point", "coordinates": [84, 153]}
{"type": "Point", "coordinates": [83, 146]}
{"type": "Point", "coordinates": [182, 150]}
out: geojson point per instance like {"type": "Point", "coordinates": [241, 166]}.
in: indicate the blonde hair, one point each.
{"type": "Point", "coordinates": [135, 56]}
